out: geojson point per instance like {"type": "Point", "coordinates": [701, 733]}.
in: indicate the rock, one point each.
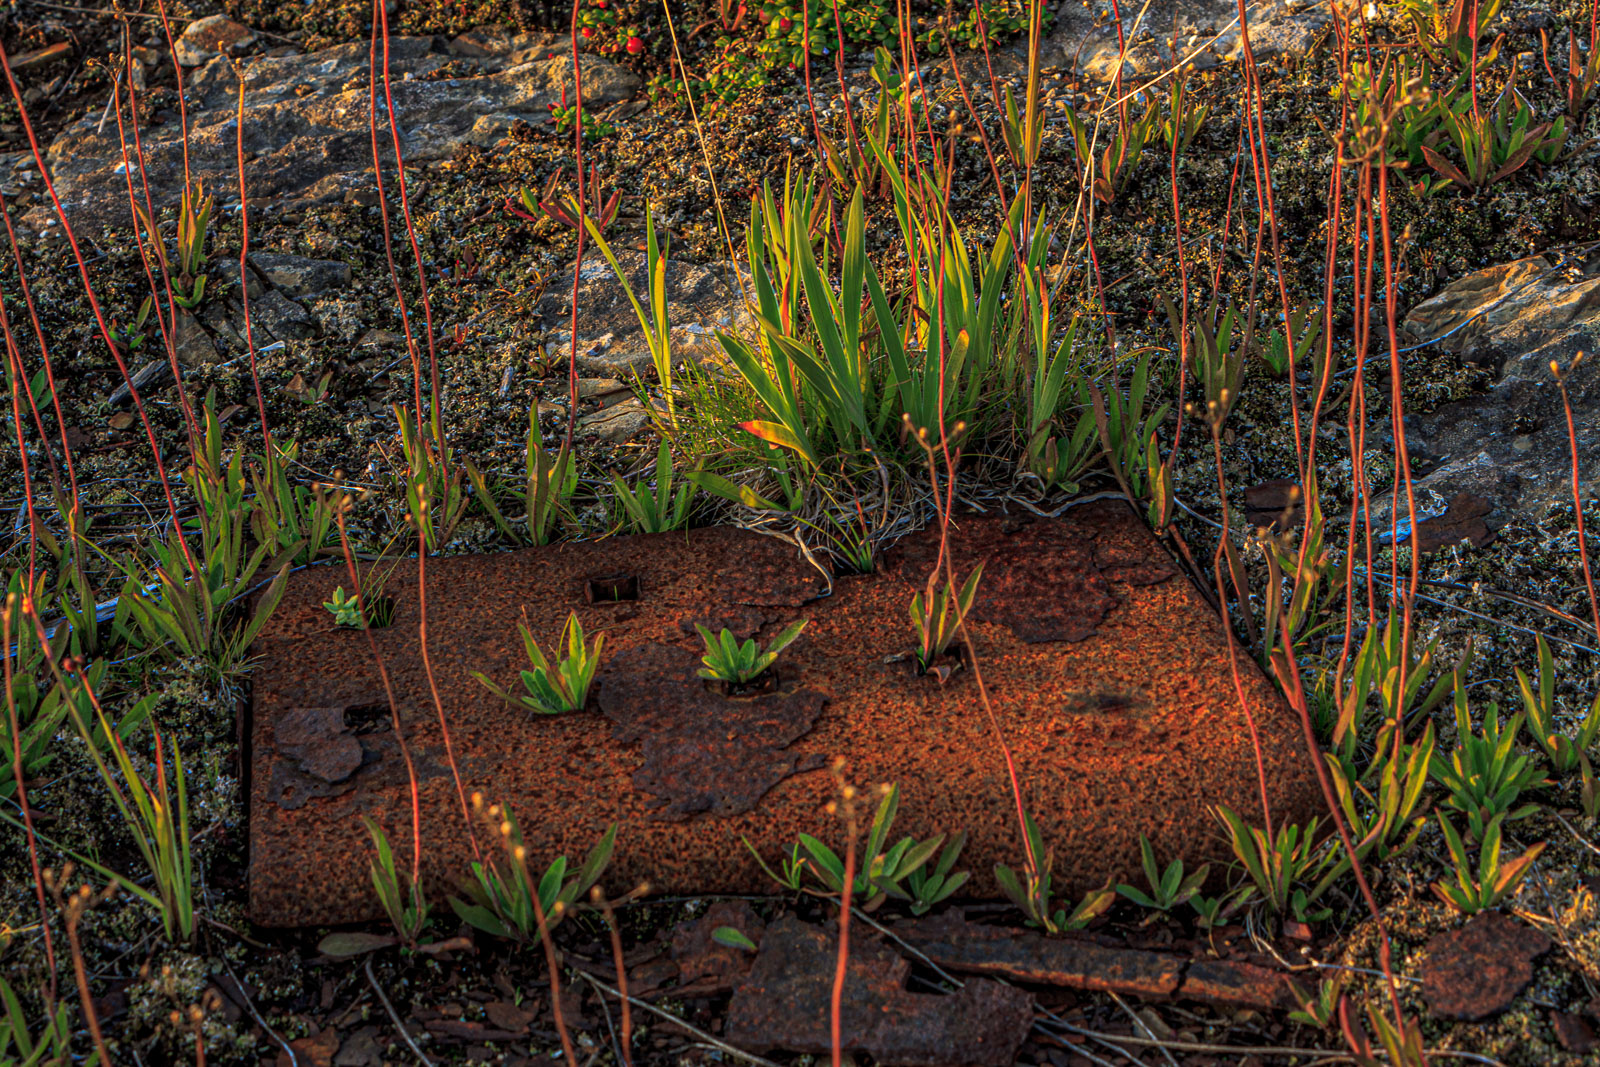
{"type": "Point", "coordinates": [305, 123]}
{"type": "Point", "coordinates": [300, 276]}
{"type": "Point", "coordinates": [1206, 31]}
{"type": "Point", "coordinates": [281, 317]}
{"type": "Point", "coordinates": [700, 301]}
{"type": "Point", "coordinates": [618, 423]}
{"type": "Point", "coordinates": [210, 37]}
{"type": "Point", "coordinates": [193, 344]}
{"type": "Point", "coordinates": [1475, 972]}
{"type": "Point", "coordinates": [1509, 445]}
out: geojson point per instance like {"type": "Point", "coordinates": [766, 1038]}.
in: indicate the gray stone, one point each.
{"type": "Point", "coordinates": [282, 318]}
{"type": "Point", "coordinates": [306, 134]}
{"type": "Point", "coordinates": [1085, 37]}
{"type": "Point", "coordinates": [700, 301]}
{"type": "Point", "coordinates": [617, 423]}
{"type": "Point", "coordinates": [1510, 445]}
{"type": "Point", "coordinates": [193, 344]}
{"type": "Point", "coordinates": [210, 37]}
{"type": "Point", "coordinates": [300, 276]}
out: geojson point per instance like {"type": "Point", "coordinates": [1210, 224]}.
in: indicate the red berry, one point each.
{"type": "Point", "coordinates": [784, 23]}
{"type": "Point", "coordinates": [601, 4]}
{"type": "Point", "coordinates": [587, 32]}
{"type": "Point", "coordinates": [635, 46]}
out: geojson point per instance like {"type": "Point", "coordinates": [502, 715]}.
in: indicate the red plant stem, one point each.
{"type": "Point", "coordinates": [17, 775]}
{"type": "Point", "coordinates": [436, 414]}
{"type": "Point", "coordinates": [805, 58]}
{"type": "Point", "coordinates": [550, 961]}
{"type": "Point", "coordinates": [14, 355]}
{"type": "Point", "coordinates": [1577, 496]}
{"type": "Point", "coordinates": [168, 326]}
{"type": "Point", "coordinates": [626, 1040]}
{"type": "Point", "coordinates": [433, 685]}
{"type": "Point", "coordinates": [388, 691]}
{"type": "Point", "coordinates": [44, 349]}
{"type": "Point", "coordinates": [842, 959]}
{"type": "Point", "coordinates": [94, 305]}
{"type": "Point", "coordinates": [577, 267]}
{"type": "Point", "coordinates": [244, 274]}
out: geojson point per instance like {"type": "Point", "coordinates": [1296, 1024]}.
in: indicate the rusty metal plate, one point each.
{"type": "Point", "coordinates": [1106, 669]}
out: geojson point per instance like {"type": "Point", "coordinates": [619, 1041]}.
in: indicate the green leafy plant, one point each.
{"type": "Point", "coordinates": [19, 1047]}
{"type": "Point", "coordinates": [500, 898]}
{"type": "Point", "coordinates": [1384, 804]}
{"type": "Point", "coordinates": [1496, 142]}
{"type": "Point", "coordinates": [560, 206]}
{"type": "Point", "coordinates": [900, 871]}
{"type": "Point", "coordinates": [561, 687]}
{"type": "Point", "coordinates": [545, 494]}
{"type": "Point", "coordinates": [131, 338]}
{"type": "Point", "coordinates": [1539, 707]}
{"type": "Point", "coordinates": [1485, 775]}
{"type": "Point", "coordinates": [1108, 173]}
{"type": "Point", "coordinates": [1490, 883]}
{"type": "Point", "coordinates": [1451, 30]}
{"type": "Point", "coordinates": [399, 893]}
{"type": "Point", "coordinates": [663, 509]}
{"type": "Point", "coordinates": [194, 215]}
{"type": "Point", "coordinates": [733, 938]}
{"type": "Point", "coordinates": [657, 328]}
{"type": "Point", "coordinates": [436, 500]}
{"type": "Point", "coordinates": [1281, 869]}
{"type": "Point", "coordinates": [1168, 888]}
{"type": "Point", "coordinates": [1401, 1042]}
{"type": "Point", "coordinates": [286, 515]}
{"type": "Point", "coordinates": [1305, 324]}
{"type": "Point", "coordinates": [1317, 1009]}
{"type": "Point", "coordinates": [1582, 76]}
{"type": "Point", "coordinates": [933, 621]}
{"type": "Point", "coordinates": [1184, 117]}
{"type": "Point", "coordinates": [726, 660]}
{"type": "Point", "coordinates": [1031, 891]}
{"type": "Point", "coordinates": [346, 609]}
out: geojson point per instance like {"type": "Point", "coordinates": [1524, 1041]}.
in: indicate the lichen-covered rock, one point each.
{"type": "Point", "coordinates": [210, 37]}
{"type": "Point", "coordinates": [1510, 445]}
{"type": "Point", "coordinates": [306, 118]}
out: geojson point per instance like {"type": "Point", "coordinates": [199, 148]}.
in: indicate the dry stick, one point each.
{"type": "Point", "coordinates": [94, 304]}
{"type": "Point", "coordinates": [22, 792]}
{"type": "Point", "coordinates": [1577, 497]}
{"type": "Point", "coordinates": [405, 1034]}
{"type": "Point", "coordinates": [688, 1028]}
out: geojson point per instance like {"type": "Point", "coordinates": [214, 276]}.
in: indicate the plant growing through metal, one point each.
{"type": "Point", "coordinates": [1485, 775]}
{"type": "Point", "coordinates": [937, 613]}
{"type": "Point", "coordinates": [562, 686]}
{"type": "Point", "coordinates": [1539, 707]}
{"type": "Point", "coordinates": [503, 899]}
{"type": "Point", "coordinates": [1031, 891]}
{"type": "Point", "coordinates": [727, 660]}
{"type": "Point", "coordinates": [1490, 883]}
{"type": "Point", "coordinates": [1168, 888]}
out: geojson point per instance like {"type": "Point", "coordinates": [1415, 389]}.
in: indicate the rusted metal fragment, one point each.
{"type": "Point", "coordinates": [784, 1003]}
{"type": "Point", "coordinates": [701, 958]}
{"type": "Point", "coordinates": [1133, 730]}
{"type": "Point", "coordinates": [957, 945]}
{"type": "Point", "coordinates": [1476, 972]}
{"type": "Point", "coordinates": [317, 739]}
{"type": "Point", "coordinates": [1236, 982]}
{"type": "Point", "coordinates": [703, 752]}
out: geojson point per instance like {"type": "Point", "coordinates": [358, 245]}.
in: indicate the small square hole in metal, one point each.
{"type": "Point", "coordinates": [611, 589]}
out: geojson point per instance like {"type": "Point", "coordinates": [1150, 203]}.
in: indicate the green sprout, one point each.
{"type": "Point", "coordinates": [726, 660]}
{"type": "Point", "coordinates": [564, 686]}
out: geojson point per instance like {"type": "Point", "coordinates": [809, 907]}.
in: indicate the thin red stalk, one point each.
{"type": "Point", "coordinates": [436, 414]}
{"type": "Point", "coordinates": [17, 775]}
{"type": "Point", "coordinates": [14, 354]}
{"type": "Point", "coordinates": [550, 961]}
{"type": "Point", "coordinates": [626, 1039]}
{"type": "Point", "coordinates": [577, 267]}
{"type": "Point", "coordinates": [94, 305]}
{"type": "Point", "coordinates": [805, 48]}
{"type": "Point", "coordinates": [427, 669]}
{"type": "Point", "coordinates": [388, 690]}
{"type": "Point", "coordinates": [168, 325]}
{"type": "Point", "coordinates": [44, 349]}
{"type": "Point", "coordinates": [1577, 495]}
{"type": "Point", "coordinates": [842, 959]}
{"type": "Point", "coordinates": [244, 271]}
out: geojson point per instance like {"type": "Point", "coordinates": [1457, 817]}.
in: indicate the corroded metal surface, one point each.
{"type": "Point", "coordinates": [1476, 972]}
{"type": "Point", "coordinates": [784, 1003]}
{"type": "Point", "coordinates": [1107, 672]}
